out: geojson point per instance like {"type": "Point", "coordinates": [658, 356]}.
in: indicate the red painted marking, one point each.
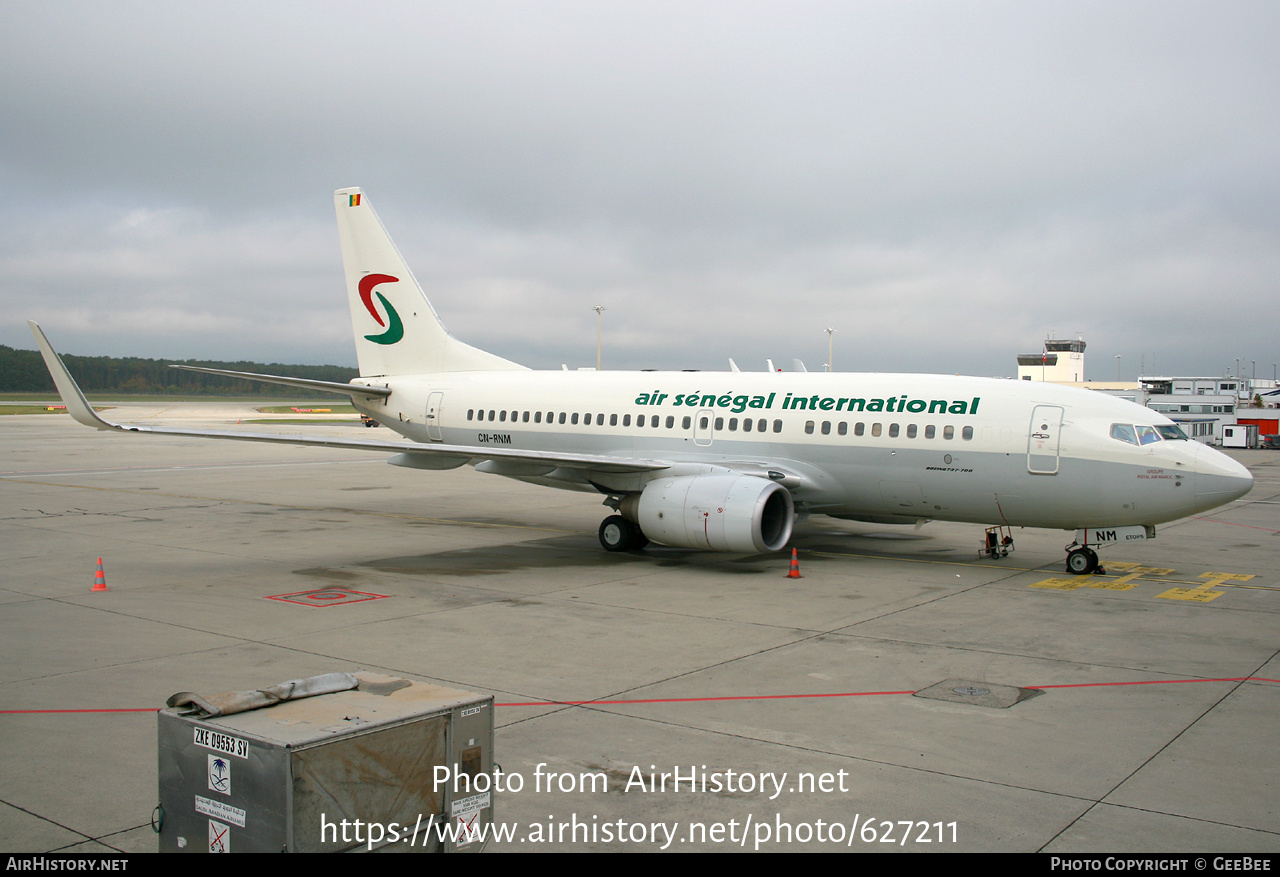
{"type": "Point", "coordinates": [737, 697]}
{"type": "Point", "coordinates": [850, 693]}
{"type": "Point", "coordinates": [696, 699]}
{"type": "Point", "coordinates": [317, 598]}
{"type": "Point", "coordinates": [33, 712]}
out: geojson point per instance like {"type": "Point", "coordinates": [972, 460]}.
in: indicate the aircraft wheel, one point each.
{"type": "Point", "coordinates": [1082, 561]}
{"type": "Point", "coordinates": [619, 534]}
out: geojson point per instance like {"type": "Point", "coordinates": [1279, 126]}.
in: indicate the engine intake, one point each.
{"type": "Point", "coordinates": [739, 513]}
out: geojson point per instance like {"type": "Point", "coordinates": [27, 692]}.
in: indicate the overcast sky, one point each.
{"type": "Point", "coordinates": [943, 183]}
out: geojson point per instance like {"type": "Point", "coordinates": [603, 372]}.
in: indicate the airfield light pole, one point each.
{"type": "Point", "coordinates": [830, 339]}
{"type": "Point", "coordinates": [598, 309]}
{"type": "Point", "coordinates": [1117, 367]}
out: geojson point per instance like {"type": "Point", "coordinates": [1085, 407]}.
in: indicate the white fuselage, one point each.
{"type": "Point", "coordinates": [891, 447]}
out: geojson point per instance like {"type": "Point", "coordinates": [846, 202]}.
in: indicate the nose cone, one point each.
{"type": "Point", "coordinates": [1219, 479]}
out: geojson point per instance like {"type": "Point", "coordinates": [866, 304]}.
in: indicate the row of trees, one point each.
{"type": "Point", "coordinates": [23, 371]}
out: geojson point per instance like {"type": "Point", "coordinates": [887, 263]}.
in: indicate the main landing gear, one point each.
{"type": "Point", "coordinates": [619, 534]}
{"type": "Point", "coordinates": [1082, 560]}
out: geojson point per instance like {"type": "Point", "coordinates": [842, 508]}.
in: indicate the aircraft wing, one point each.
{"type": "Point", "coordinates": [361, 390]}
{"type": "Point", "coordinates": [80, 409]}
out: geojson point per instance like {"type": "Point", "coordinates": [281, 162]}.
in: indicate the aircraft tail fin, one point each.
{"type": "Point", "coordinates": [397, 331]}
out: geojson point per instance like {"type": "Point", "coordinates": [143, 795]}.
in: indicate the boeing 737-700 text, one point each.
{"type": "Point", "coordinates": [727, 461]}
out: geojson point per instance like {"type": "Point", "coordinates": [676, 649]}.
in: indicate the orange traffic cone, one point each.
{"type": "Point", "coordinates": [795, 566]}
{"type": "Point", "coordinates": [99, 578]}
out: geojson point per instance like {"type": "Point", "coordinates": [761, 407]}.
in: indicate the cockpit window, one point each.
{"type": "Point", "coordinates": [1124, 432]}
{"type": "Point", "coordinates": [1147, 435]}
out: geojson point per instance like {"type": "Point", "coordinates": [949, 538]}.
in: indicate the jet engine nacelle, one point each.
{"type": "Point", "coordinates": [739, 513]}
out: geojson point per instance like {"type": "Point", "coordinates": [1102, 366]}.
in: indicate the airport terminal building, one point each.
{"type": "Point", "coordinates": [1202, 406]}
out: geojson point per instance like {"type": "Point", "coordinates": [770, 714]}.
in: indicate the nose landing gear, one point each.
{"type": "Point", "coordinates": [1083, 560]}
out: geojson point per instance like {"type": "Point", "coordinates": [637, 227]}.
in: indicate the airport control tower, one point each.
{"type": "Point", "coordinates": [1061, 361]}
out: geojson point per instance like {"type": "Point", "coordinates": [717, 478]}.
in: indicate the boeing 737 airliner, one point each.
{"type": "Point", "coordinates": [727, 461]}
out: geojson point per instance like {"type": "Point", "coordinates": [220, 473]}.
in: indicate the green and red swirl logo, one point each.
{"type": "Point", "coordinates": [395, 328]}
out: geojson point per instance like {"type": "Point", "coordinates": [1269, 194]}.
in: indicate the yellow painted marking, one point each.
{"type": "Point", "coordinates": [1100, 582]}
{"type": "Point", "coordinates": [1225, 576]}
{"type": "Point", "coordinates": [1124, 583]}
{"type": "Point", "coordinates": [1063, 584]}
{"type": "Point", "coordinates": [1197, 595]}
{"type": "Point", "coordinates": [1201, 593]}
{"type": "Point", "coordinates": [1130, 581]}
{"type": "Point", "coordinates": [1150, 570]}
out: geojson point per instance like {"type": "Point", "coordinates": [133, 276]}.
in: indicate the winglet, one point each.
{"type": "Point", "coordinates": [77, 405]}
